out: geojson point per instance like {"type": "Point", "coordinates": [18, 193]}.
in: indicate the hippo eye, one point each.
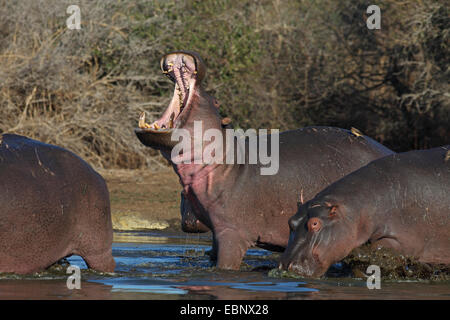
{"type": "Point", "coordinates": [314, 224]}
{"type": "Point", "coordinates": [333, 211]}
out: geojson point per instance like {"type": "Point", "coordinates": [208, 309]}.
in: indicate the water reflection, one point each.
{"type": "Point", "coordinates": [142, 285]}
{"type": "Point", "coordinates": [158, 265]}
{"type": "Point", "coordinates": [161, 237]}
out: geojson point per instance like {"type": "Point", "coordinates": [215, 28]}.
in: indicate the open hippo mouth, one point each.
{"type": "Point", "coordinates": [185, 69]}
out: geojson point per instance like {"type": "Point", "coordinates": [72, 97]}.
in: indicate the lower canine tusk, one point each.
{"type": "Point", "coordinates": [142, 123]}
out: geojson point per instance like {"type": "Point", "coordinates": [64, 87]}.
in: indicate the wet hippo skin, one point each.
{"type": "Point", "coordinates": [400, 202]}
{"type": "Point", "coordinates": [189, 221]}
{"type": "Point", "coordinates": [241, 206]}
{"type": "Point", "coordinates": [53, 204]}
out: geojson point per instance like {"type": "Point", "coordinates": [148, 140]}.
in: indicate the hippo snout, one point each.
{"type": "Point", "coordinates": [299, 258]}
{"type": "Point", "coordinates": [285, 265]}
{"type": "Point", "coordinates": [287, 261]}
{"type": "Point", "coordinates": [304, 268]}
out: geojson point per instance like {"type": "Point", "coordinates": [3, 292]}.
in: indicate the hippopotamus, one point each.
{"type": "Point", "coordinates": [400, 202]}
{"type": "Point", "coordinates": [53, 205]}
{"type": "Point", "coordinates": [242, 205]}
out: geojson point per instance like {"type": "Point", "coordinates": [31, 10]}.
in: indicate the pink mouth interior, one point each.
{"type": "Point", "coordinates": [181, 69]}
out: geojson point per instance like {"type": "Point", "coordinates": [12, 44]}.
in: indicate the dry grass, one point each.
{"type": "Point", "coordinates": [144, 195]}
{"type": "Point", "coordinates": [55, 88]}
{"type": "Point", "coordinates": [272, 64]}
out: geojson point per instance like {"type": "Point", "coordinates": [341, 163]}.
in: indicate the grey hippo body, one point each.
{"type": "Point", "coordinates": [400, 202]}
{"type": "Point", "coordinates": [241, 206]}
{"type": "Point", "coordinates": [53, 205]}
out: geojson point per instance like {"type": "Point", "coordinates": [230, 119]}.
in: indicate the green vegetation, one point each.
{"type": "Point", "coordinates": [271, 64]}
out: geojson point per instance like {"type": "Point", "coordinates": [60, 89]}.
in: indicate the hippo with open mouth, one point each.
{"type": "Point", "coordinates": [400, 202]}
{"type": "Point", "coordinates": [242, 206]}
{"type": "Point", "coordinates": [53, 205]}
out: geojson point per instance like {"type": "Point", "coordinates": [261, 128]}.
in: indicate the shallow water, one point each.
{"type": "Point", "coordinates": [162, 265]}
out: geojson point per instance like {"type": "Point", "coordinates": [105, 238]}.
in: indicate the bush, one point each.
{"type": "Point", "coordinates": [271, 64]}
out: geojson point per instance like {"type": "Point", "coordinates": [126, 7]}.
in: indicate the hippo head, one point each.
{"type": "Point", "coordinates": [189, 102]}
{"type": "Point", "coordinates": [321, 233]}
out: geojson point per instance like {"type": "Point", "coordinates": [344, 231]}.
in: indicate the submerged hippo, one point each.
{"type": "Point", "coordinates": [53, 205]}
{"type": "Point", "coordinates": [241, 205]}
{"type": "Point", "coordinates": [400, 202]}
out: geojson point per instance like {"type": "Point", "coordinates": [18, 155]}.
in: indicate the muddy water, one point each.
{"type": "Point", "coordinates": [161, 265]}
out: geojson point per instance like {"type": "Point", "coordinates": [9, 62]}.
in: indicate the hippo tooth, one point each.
{"type": "Point", "coordinates": [171, 120]}
{"type": "Point", "coordinates": [226, 121]}
{"type": "Point", "coordinates": [180, 96]}
{"type": "Point", "coordinates": [142, 123]}
{"type": "Point", "coordinates": [141, 119]}
{"type": "Point", "coordinates": [356, 132]}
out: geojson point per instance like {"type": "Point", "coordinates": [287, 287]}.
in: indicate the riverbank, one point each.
{"type": "Point", "coordinates": [144, 199]}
